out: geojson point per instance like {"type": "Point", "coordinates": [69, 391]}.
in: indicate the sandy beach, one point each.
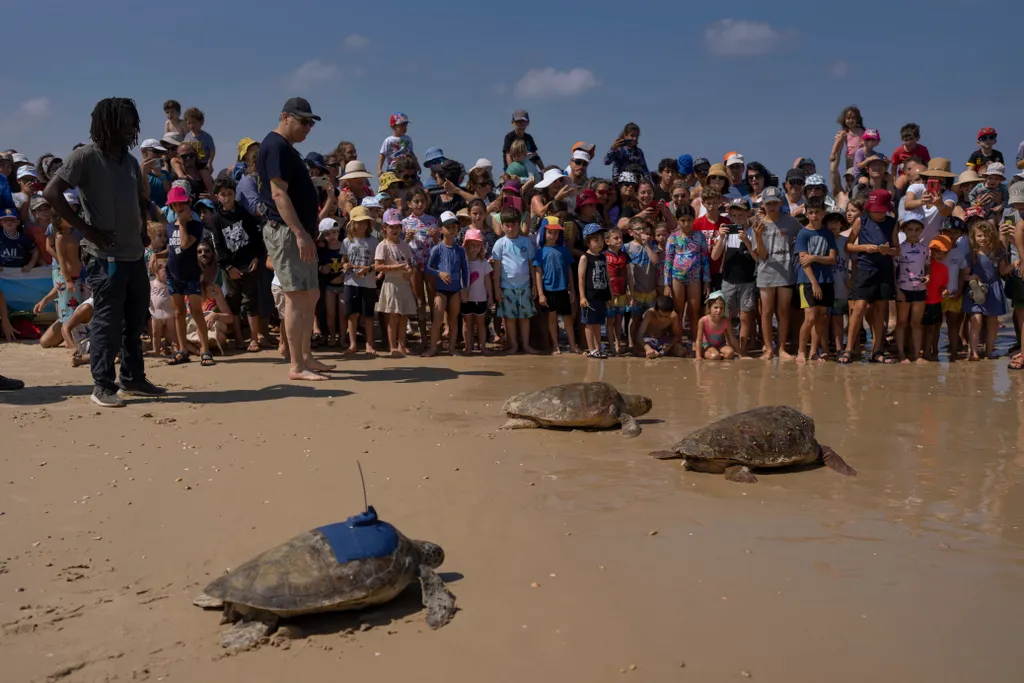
{"type": "Point", "coordinates": [574, 556]}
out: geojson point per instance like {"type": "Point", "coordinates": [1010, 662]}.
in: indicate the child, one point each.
{"type": "Point", "coordinates": [835, 221]}
{"type": "Point", "coordinates": [869, 141]}
{"type": "Point", "coordinates": [851, 135]}
{"type": "Point", "coordinates": [394, 258]}
{"type": "Point", "coordinates": [174, 124]}
{"type": "Point", "coordinates": [331, 259]}
{"type": "Point", "coordinates": [520, 122]}
{"type": "Point", "coordinates": [161, 308]}
{"type": "Point", "coordinates": [816, 249]}
{"type": "Point", "coordinates": [986, 152]}
{"type": "Point", "coordinates": [201, 141]}
{"type": "Point", "coordinates": [512, 255]}
{"type": "Point", "coordinates": [708, 223]}
{"type": "Point", "coordinates": [715, 340]}
{"type": "Point", "coordinates": [552, 274]}
{"type": "Point", "coordinates": [421, 232]}
{"type": "Point", "coordinates": [937, 291]}
{"type": "Point", "coordinates": [184, 277]}
{"type": "Point", "coordinates": [592, 277]}
{"type": "Point", "coordinates": [952, 306]}
{"type": "Point", "coordinates": [518, 154]}
{"type": "Point", "coordinates": [448, 266]}
{"type": "Point", "coordinates": [661, 233]}
{"type": "Point", "coordinates": [734, 250]}
{"type": "Point", "coordinates": [984, 300]}
{"type": "Point", "coordinates": [240, 251]}
{"type": "Point", "coordinates": [687, 275]}
{"type": "Point", "coordinates": [76, 333]}
{"type": "Point", "coordinates": [912, 279]}
{"type": "Point", "coordinates": [17, 249]}
{"type": "Point", "coordinates": [645, 257]}
{"type": "Point", "coordinates": [992, 195]}
{"type": "Point", "coordinates": [358, 252]}
{"type": "Point", "coordinates": [660, 331]}
{"type": "Point", "coordinates": [206, 211]}
{"type": "Point", "coordinates": [395, 145]}
{"type": "Point", "coordinates": [626, 152]}
{"type": "Point", "coordinates": [478, 296]}
{"type": "Point", "coordinates": [910, 134]}
{"type": "Point", "coordinates": [620, 282]}
{"type": "Point", "coordinates": [774, 237]}
{"type": "Point", "coordinates": [157, 232]}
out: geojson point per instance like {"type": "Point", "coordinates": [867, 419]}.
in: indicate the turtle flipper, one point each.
{"type": "Point", "coordinates": [438, 600]}
{"type": "Point", "coordinates": [630, 427]}
{"type": "Point", "coordinates": [520, 423]}
{"type": "Point", "coordinates": [665, 455]}
{"type": "Point", "coordinates": [836, 463]}
{"type": "Point", "coordinates": [741, 474]}
{"type": "Point", "coordinates": [245, 635]}
{"type": "Point", "coordinates": [208, 602]}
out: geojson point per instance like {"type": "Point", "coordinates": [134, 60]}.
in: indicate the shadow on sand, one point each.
{"type": "Point", "coordinates": [410, 375]}
{"type": "Point", "coordinates": [36, 396]}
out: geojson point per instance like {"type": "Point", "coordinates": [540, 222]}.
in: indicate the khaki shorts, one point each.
{"type": "Point", "coordinates": [279, 299]}
{"type": "Point", "coordinates": [294, 274]}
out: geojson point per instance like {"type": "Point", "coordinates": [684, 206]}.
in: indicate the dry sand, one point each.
{"type": "Point", "coordinates": [574, 556]}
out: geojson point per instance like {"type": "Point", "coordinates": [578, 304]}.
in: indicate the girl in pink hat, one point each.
{"type": "Point", "coordinates": [478, 296]}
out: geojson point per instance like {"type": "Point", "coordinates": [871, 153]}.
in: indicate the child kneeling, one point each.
{"type": "Point", "coordinates": [715, 340]}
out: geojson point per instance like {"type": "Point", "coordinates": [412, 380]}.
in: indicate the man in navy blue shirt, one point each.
{"type": "Point", "coordinates": [292, 213]}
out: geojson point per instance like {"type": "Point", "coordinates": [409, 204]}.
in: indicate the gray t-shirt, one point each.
{"type": "Point", "coordinates": [204, 145]}
{"type": "Point", "coordinates": [360, 252]}
{"type": "Point", "coordinates": [777, 269]}
{"type": "Point", "coordinates": [109, 190]}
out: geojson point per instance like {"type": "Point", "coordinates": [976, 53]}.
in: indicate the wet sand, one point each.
{"type": "Point", "coordinates": [913, 571]}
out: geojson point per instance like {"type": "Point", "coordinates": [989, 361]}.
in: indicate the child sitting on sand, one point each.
{"type": "Point", "coordinates": [715, 340]}
{"type": "Point", "coordinates": [660, 331]}
{"type": "Point", "coordinates": [76, 333]}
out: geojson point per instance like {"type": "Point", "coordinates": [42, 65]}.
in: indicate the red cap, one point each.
{"type": "Point", "coordinates": [587, 197]}
{"type": "Point", "coordinates": [878, 201]}
{"type": "Point", "coordinates": [986, 131]}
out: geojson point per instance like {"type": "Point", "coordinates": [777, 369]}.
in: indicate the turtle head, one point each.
{"type": "Point", "coordinates": [637, 405]}
{"type": "Point", "coordinates": [431, 554]}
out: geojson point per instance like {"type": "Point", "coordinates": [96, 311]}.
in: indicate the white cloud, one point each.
{"type": "Point", "coordinates": [743, 38]}
{"type": "Point", "coordinates": [356, 42]}
{"type": "Point", "coordinates": [312, 71]}
{"type": "Point", "coordinates": [37, 107]}
{"type": "Point", "coordinates": [548, 82]}
{"type": "Point", "coordinates": [839, 70]}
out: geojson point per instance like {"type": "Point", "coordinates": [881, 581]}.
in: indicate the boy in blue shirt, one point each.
{"type": "Point", "coordinates": [448, 265]}
{"type": "Point", "coordinates": [553, 268]}
{"type": "Point", "coordinates": [816, 248]}
{"type": "Point", "coordinates": [513, 286]}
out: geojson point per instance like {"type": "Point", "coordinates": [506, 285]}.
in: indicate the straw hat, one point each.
{"type": "Point", "coordinates": [718, 170]}
{"type": "Point", "coordinates": [938, 168]}
{"type": "Point", "coordinates": [968, 176]}
{"type": "Point", "coordinates": [354, 170]}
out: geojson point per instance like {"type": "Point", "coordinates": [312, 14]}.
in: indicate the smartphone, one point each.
{"type": "Point", "coordinates": [734, 228]}
{"type": "Point", "coordinates": [321, 181]}
{"type": "Point", "coordinates": [934, 188]}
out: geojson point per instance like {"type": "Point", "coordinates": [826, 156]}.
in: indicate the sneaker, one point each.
{"type": "Point", "coordinates": [142, 388]}
{"type": "Point", "coordinates": [102, 396]}
{"type": "Point", "coordinates": [10, 384]}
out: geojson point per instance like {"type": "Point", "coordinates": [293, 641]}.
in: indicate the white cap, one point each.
{"type": "Point", "coordinates": [550, 176]}
{"type": "Point", "coordinates": [151, 143]}
{"type": "Point", "coordinates": [995, 168]}
{"type": "Point", "coordinates": [482, 163]}
{"type": "Point", "coordinates": [19, 158]}
{"type": "Point", "coordinates": [913, 215]}
{"type": "Point", "coordinates": [174, 138]}
{"type": "Point", "coordinates": [370, 203]}
{"type": "Point", "coordinates": [328, 224]}
{"type": "Point", "coordinates": [735, 159]}
{"type": "Point", "coordinates": [31, 171]}
{"type": "Point", "coordinates": [581, 155]}
{"type": "Point", "coordinates": [449, 217]}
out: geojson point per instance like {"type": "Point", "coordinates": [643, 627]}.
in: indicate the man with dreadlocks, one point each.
{"type": "Point", "coordinates": [114, 194]}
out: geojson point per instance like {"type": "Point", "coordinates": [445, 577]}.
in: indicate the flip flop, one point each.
{"type": "Point", "coordinates": [1017, 362]}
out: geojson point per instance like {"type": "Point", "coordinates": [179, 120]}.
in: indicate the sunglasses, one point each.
{"type": "Point", "coordinates": [797, 183]}
{"type": "Point", "coordinates": [755, 176]}
{"type": "Point", "coordinates": [580, 162]}
{"type": "Point", "coordinates": [303, 121]}
{"type": "Point", "coordinates": [333, 165]}
{"type": "Point", "coordinates": [987, 138]}
{"type": "Point", "coordinates": [186, 156]}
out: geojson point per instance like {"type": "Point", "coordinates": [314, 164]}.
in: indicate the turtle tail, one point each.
{"type": "Point", "coordinates": [832, 461]}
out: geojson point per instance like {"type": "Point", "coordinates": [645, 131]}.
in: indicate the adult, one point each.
{"type": "Point", "coordinates": [701, 168]}
{"type": "Point", "coordinates": [157, 177]}
{"type": "Point", "coordinates": [935, 206]}
{"type": "Point", "coordinates": [186, 167]}
{"type": "Point", "coordinates": [757, 179]}
{"type": "Point", "coordinates": [577, 168]}
{"type": "Point", "coordinates": [479, 186]}
{"type": "Point", "coordinates": [47, 165]}
{"type": "Point", "coordinates": [735, 166]}
{"type": "Point", "coordinates": [967, 181]}
{"type": "Point", "coordinates": [354, 187]}
{"type": "Point", "coordinates": [794, 187]}
{"type": "Point", "coordinates": [668, 172]}
{"type": "Point", "coordinates": [114, 196]}
{"type": "Point", "coordinates": [290, 230]}
{"type": "Point", "coordinates": [815, 186]}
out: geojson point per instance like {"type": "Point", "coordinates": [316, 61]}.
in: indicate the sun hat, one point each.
{"type": "Point", "coordinates": [392, 217]}
{"type": "Point", "coordinates": [912, 217]}
{"type": "Point", "coordinates": [397, 119]}
{"type": "Point", "coordinates": [354, 170]}
{"type": "Point", "coordinates": [472, 235]}
{"type": "Point", "coordinates": [626, 178]}
{"type": "Point", "coordinates": [771, 194]}
{"type": "Point", "coordinates": [586, 198]}
{"type": "Point", "coordinates": [27, 171]}
{"type": "Point", "coordinates": [938, 168]}
{"type": "Point", "coordinates": [735, 159]}
{"type": "Point", "coordinates": [849, 172]}
{"type": "Point", "coordinates": [718, 171]}
{"type": "Point", "coordinates": [871, 134]}
{"type": "Point", "coordinates": [434, 155]}
{"type": "Point", "coordinates": [388, 179]}
{"type": "Point", "coordinates": [463, 213]}
{"type": "Point", "coordinates": [834, 211]}
{"type": "Point", "coordinates": [317, 159]}
{"type": "Point", "coordinates": [512, 185]}
{"type": "Point", "coordinates": [299, 106]}
{"type": "Point", "coordinates": [953, 223]}
{"type": "Point", "coordinates": [586, 147]}
{"type": "Point", "coordinates": [739, 203]}
{"type": "Point", "coordinates": [684, 164]}
{"type": "Point", "coordinates": [448, 217]}
{"type": "Point", "coordinates": [814, 180]}
{"type": "Point", "coordinates": [878, 201]}
{"type": "Point", "coordinates": [177, 195]}
{"type": "Point", "coordinates": [986, 131]}
{"type": "Point", "coordinates": [591, 229]}
{"type": "Point", "coordinates": [550, 176]}
{"type": "Point", "coordinates": [204, 203]}
{"type": "Point", "coordinates": [151, 143]}
{"type": "Point", "coordinates": [243, 146]}
{"type": "Point", "coordinates": [552, 223]}
{"type": "Point", "coordinates": [521, 115]}
{"type": "Point", "coordinates": [8, 212]}
{"type": "Point", "coordinates": [482, 163]}
{"type": "Point", "coordinates": [359, 213]}
{"type": "Point", "coordinates": [942, 243]}
{"type": "Point", "coordinates": [581, 156]}
{"type": "Point", "coordinates": [968, 176]}
{"type": "Point", "coordinates": [328, 225]}
{"type": "Point", "coordinates": [1017, 193]}
{"type": "Point", "coordinates": [716, 296]}
{"type": "Point", "coordinates": [174, 138]}
{"type": "Point", "coordinates": [370, 203]}
{"type": "Point", "coordinates": [36, 202]}
{"type": "Point", "coordinates": [995, 168]}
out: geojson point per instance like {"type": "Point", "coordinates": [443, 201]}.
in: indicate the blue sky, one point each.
{"type": "Point", "coordinates": [767, 79]}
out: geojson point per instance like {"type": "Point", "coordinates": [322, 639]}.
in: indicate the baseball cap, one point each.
{"type": "Point", "coordinates": [316, 159]}
{"type": "Point", "coordinates": [581, 156]}
{"type": "Point", "coordinates": [912, 217]}
{"type": "Point", "coordinates": [1017, 193]}
{"type": "Point", "coordinates": [740, 203]}
{"type": "Point", "coordinates": [878, 201]}
{"type": "Point", "coordinates": [36, 202]}
{"type": "Point", "coordinates": [359, 213]}
{"type": "Point", "coordinates": [986, 131]}
{"type": "Point", "coordinates": [735, 159]}
{"type": "Point", "coordinates": [591, 229]}
{"type": "Point", "coordinates": [685, 164]}
{"type": "Point", "coordinates": [586, 198]}
{"type": "Point", "coordinates": [243, 146]}
{"type": "Point", "coordinates": [448, 217]}
{"type": "Point", "coordinates": [805, 161]}
{"type": "Point", "coordinates": [152, 143]}
{"type": "Point", "coordinates": [173, 139]}
{"type": "Point", "coordinates": [482, 163]}
{"type": "Point", "coordinates": [587, 147]}
{"type": "Point", "coordinates": [942, 243]}
{"type": "Point", "coordinates": [31, 171]}
{"type": "Point", "coordinates": [521, 115]}
{"type": "Point", "coordinates": [382, 197]}
{"type": "Point", "coordinates": [995, 168]}
{"type": "Point", "coordinates": [328, 225]}
{"type": "Point", "coordinates": [874, 157]}
{"type": "Point", "coordinates": [953, 223]}
{"type": "Point", "coordinates": [701, 161]}
{"type": "Point", "coordinates": [552, 223]}
{"type": "Point", "coordinates": [512, 185]}
{"type": "Point", "coordinates": [19, 158]}
{"type": "Point", "coordinates": [206, 204]}
{"type": "Point", "coordinates": [554, 174]}
{"type": "Point", "coordinates": [8, 212]}
{"type": "Point", "coordinates": [871, 134]}
{"type": "Point", "coordinates": [434, 155]}
{"type": "Point", "coordinates": [473, 235]}
{"type": "Point", "coordinates": [299, 106]}
{"type": "Point", "coordinates": [393, 217]}
{"type": "Point", "coordinates": [397, 119]}
{"type": "Point", "coordinates": [370, 203]}
{"type": "Point", "coordinates": [177, 195]}
{"type": "Point", "coordinates": [814, 180]}
{"type": "Point", "coordinates": [771, 194]}
{"type": "Point", "coordinates": [795, 174]}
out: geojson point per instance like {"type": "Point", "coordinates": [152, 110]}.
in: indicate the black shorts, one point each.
{"type": "Point", "coordinates": [932, 314]}
{"type": "Point", "coordinates": [716, 281]}
{"type": "Point", "coordinates": [914, 297]}
{"type": "Point", "coordinates": [872, 287]}
{"type": "Point", "coordinates": [473, 308]}
{"type": "Point", "coordinates": [360, 300]}
{"type": "Point", "coordinates": [808, 300]}
{"type": "Point", "coordinates": [243, 294]}
{"type": "Point", "coordinates": [558, 302]}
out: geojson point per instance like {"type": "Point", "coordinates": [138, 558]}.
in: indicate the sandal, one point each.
{"type": "Point", "coordinates": [979, 290]}
{"type": "Point", "coordinates": [254, 346]}
{"type": "Point", "coordinates": [597, 354]}
{"type": "Point", "coordinates": [1017, 362]}
{"type": "Point", "coordinates": [180, 358]}
{"type": "Point", "coordinates": [206, 360]}
{"type": "Point", "coordinates": [844, 358]}
{"type": "Point", "coordinates": [883, 357]}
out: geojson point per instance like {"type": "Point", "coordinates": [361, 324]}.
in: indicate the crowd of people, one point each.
{"type": "Point", "coordinates": [694, 258]}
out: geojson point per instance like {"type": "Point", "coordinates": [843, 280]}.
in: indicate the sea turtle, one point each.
{"type": "Point", "coordinates": [360, 562]}
{"type": "Point", "coordinates": [580, 404]}
{"type": "Point", "coordinates": [762, 438]}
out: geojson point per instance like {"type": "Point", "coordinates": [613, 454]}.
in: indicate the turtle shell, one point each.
{"type": "Point", "coordinates": [580, 404]}
{"type": "Point", "coordinates": [349, 565]}
{"type": "Point", "coordinates": [769, 436]}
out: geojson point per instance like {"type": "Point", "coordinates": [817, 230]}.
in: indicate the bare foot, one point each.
{"type": "Point", "coordinates": [922, 361]}
{"type": "Point", "coordinates": [785, 355]}
{"type": "Point", "coordinates": [768, 355]}
{"type": "Point", "coordinates": [574, 349]}
{"type": "Point", "coordinates": [512, 350]}
{"type": "Point", "coordinates": [530, 350]}
{"type": "Point", "coordinates": [397, 354]}
{"type": "Point", "coordinates": [370, 351]}
{"type": "Point", "coordinates": [904, 361]}
{"type": "Point", "coordinates": [403, 349]}
{"type": "Point", "coordinates": [800, 358]}
{"type": "Point", "coordinates": [306, 376]}
{"type": "Point", "coordinates": [349, 351]}
{"type": "Point", "coordinates": [317, 366]}
{"type": "Point", "coordinates": [557, 352]}
{"type": "Point", "coordinates": [432, 351]}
